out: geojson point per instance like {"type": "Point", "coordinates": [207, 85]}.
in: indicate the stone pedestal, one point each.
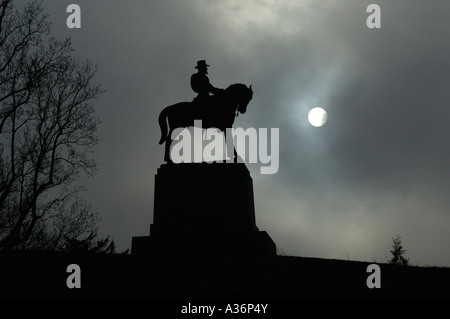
{"type": "Point", "coordinates": [205, 209]}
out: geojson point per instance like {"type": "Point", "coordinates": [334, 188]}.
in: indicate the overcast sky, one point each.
{"type": "Point", "coordinates": [380, 165]}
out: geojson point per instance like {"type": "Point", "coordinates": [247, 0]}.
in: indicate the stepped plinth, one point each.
{"type": "Point", "coordinates": [204, 209]}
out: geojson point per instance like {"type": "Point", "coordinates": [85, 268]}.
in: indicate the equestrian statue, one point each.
{"type": "Point", "coordinates": [216, 111]}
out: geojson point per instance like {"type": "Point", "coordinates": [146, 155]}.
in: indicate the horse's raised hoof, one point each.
{"type": "Point", "coordinates": [168, 160]}
{"type": "Point", "coordinates": [238, 159]}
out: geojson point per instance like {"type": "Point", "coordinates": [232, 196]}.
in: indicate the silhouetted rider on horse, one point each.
{"type": "Point", "coordinates": [201, 85]}
{"type": "Point", "coordinates": [225, 105]}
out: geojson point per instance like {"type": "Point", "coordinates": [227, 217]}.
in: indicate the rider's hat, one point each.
{"type": "Point", "coordinates": [201, 63]}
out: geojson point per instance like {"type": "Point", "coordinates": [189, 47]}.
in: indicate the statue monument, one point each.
{"type": "Point", "coordinates": [204, 208]}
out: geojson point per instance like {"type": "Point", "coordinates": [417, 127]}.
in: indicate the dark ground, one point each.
{"type": "Point", "coordinates": [40, 275]}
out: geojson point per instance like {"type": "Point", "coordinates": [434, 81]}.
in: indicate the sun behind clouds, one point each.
{"type": "Point", "coordinates": [317, 116]}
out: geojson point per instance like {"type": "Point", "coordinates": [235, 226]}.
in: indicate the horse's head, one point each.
{"type": "Point", "coordinates": [246, 95]}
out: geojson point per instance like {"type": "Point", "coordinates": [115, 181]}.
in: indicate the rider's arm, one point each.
{"type": "Point", "coordinates": [214, 90]}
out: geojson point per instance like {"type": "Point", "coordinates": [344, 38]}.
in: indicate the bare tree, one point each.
{"type": "Point", "coordinates": [56, 229]}
{"type": "Point", "coordinates": [47, 124]}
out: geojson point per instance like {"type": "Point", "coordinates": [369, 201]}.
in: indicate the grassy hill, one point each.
{"type": "Point", "coordinates": [43, 275]}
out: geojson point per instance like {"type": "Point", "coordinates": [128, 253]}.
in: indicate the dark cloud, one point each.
{"type": "Point", "coordinates": [380, 165]}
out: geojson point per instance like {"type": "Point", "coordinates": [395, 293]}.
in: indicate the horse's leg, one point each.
{"type": "Point", "coordinates": [167, 157]}
{"type": "Point", "coordinates": [166, 149]}
{"type": "Point", "coordinates": [236, 157]}
{"type": "Point", "coordinates": [168, 143]}
{"type": "Point", "coordinates": [229, 143]}
{"type": "Point", "coordinates": [177, 116]}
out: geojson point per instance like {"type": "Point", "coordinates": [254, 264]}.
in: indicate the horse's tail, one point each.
{"type": "Point", "coordinates": [163, 125]}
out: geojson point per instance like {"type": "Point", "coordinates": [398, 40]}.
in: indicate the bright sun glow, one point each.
{"type": "Point", "coordinates": [317, 116]}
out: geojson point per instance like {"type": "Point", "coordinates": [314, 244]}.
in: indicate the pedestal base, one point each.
{"type": "Point", "coordinates": [255, 243]}
{"type": "Point", "coordinates": [204, 209]}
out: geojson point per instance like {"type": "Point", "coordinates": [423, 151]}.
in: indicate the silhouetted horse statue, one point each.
{"type": "Point", "coordinates": [219, 113]}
